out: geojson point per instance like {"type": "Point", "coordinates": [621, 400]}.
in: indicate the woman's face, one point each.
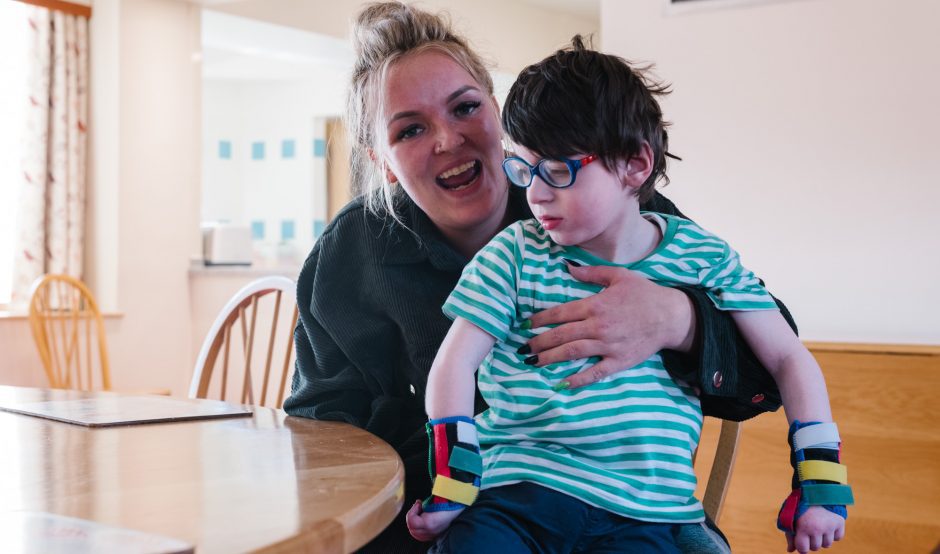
{"type": "Point", "coordinates": [440, 139]}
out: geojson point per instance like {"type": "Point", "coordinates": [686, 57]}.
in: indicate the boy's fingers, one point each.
{"type": "Point", "coordinates": [840, 532]}
{"type": "Point", "coordinates": [826, 540]}
{"type": "Point", "coordinates": [413, 520]}
{"type": "Point", "coordinates": [790, 546]}
{"type": "Point", "coordinates": [801, 542]}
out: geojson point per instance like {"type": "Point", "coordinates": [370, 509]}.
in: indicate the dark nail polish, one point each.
{"type": "Point", "coordinates": [531, 360]}
{"type": "Point", "coordinates": [527, 324]}
{"type": "Point", "coordinates": [561, 386]}
{"type": "Point", "coordinates": [571, 262]}
{"type": "Point", "coordinates": [524, 349]}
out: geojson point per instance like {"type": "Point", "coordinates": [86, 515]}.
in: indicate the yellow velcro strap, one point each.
{"type": "Point", "coordinates": [455, 491]}
{"type": "Point", "coordinates": [820, 469]}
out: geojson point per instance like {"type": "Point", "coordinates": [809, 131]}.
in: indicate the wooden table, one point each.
{"type": "Point", "coordinates": [267, 482]}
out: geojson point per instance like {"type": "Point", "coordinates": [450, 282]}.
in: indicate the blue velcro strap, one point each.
{"type": "Point", "coordinates": [430, 506]}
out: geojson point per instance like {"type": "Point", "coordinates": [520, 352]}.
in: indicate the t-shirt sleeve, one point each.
{"type": "Point", "coordinates": [486, 292]}
{"type": "Point", "coordinates": [733, 287]}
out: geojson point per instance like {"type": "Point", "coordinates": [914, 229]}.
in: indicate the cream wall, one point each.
{"type": "Point", "coordinates": [510, 34]}
{"type": "Point", "coordinates": [809, 136]}
{"type": "Point", "coordinates": [144, 194]}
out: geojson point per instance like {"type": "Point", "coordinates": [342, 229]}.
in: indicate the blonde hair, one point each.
{"type": "Point", "coordinates": [384, 33]}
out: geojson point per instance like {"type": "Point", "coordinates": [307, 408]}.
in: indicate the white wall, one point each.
{"type": "Point", "coordinates": [511, 34]}
{"type": "Point", "coordinates": [809, 136]}
{"type": "Point", "coordinates": [241, 189]}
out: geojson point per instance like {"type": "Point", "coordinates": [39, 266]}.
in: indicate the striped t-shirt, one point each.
{"type": "Point", "coordinates": [624, 444]}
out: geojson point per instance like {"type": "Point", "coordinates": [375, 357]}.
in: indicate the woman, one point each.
{"type": "Point", "coordinates": [427, 148]}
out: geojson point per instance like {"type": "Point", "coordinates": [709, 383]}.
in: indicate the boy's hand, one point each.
{"type": "Point", "coordinates": [815, 529]}
{"type": "Point", "coordinates": [426, 526]}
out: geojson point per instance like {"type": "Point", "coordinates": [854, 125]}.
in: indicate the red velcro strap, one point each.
{"type": "Point", "coordinates": [441, 451]}
{"type": "Point", "coordinates": [786, 518]}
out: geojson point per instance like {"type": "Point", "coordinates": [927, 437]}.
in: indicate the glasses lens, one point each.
{"type": "Point", "coordinates": [518, 172]}
{"type": "Point", "coordinates": [556, 173]}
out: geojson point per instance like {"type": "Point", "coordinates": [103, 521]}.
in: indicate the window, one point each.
{"type": "Point", "coordinates": [14, 27]}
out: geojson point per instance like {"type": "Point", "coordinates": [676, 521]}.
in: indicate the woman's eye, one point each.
{"type": "Point", "coordinates": [409, 132]}
{"type": "Point", "coordinates": [466, 108]}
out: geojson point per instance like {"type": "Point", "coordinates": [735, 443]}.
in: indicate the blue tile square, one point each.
{"type": "Point", "coordinates": [257, 230]}
{"type": "Point", "coordinates": [225, 150]}
{"type": "Point", "coordinates": [257, 151]}
{"type": "Point", "coordinates": [318, 226]}
{"type": "Point", "coordinates": [319, 148]}
{"type": "Point", "coordinates": [287, 148]}
{"type": "Point", "coordinates": [287, 229]}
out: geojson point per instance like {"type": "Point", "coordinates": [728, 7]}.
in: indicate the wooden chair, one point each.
{"type": "Point", "coordinates": [722, 465]}
{"type": "Point", "coordinates": [68, 329]}
{"type": "Point", "coordinates": [237, 323]}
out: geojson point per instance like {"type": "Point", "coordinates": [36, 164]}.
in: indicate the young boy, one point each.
{"type": "Point", "coordinates": [606, 467]}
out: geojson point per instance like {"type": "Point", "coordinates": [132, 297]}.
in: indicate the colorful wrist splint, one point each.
{"type": "Point", "coordinates": [818, 477]}
{"type": "Point", "coordinates": [454, 463]}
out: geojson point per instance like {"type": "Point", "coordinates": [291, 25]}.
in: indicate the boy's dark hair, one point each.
{"type": "Point", "coordinates": [580, 100]}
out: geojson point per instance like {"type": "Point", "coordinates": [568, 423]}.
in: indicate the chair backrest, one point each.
{"type": "Point", "coordinates": [68, 330]}
{"type": "Point", "coordinates": [722, 465]}
{"type": "Point", "coordinates": [264, 303]}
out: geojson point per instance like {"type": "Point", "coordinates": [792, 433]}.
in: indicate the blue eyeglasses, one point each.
{"type": "Point", "coordinates": [558, 173]}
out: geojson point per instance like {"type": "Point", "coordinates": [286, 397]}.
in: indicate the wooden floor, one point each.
{"type": "Point", "coordinates": [888, 411]}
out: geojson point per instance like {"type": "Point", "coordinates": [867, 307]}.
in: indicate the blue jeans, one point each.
{"type": "Point", "coordinates": [526, 517]}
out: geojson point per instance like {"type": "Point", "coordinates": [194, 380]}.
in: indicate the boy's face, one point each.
{"type": "Point", "coordinates": [592, 213]}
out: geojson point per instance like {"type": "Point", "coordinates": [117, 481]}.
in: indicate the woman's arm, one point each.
{"type": "Point", "coordinates": [328, 384]}
{"type": "Point", "coordinates": [633, 318]}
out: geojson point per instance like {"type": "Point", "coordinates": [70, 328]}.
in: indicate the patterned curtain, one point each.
{"type": "Point", "coordinates": [51, 215]}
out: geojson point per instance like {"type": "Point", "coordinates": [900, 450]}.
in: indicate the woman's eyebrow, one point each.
{"type": "Point", "coordinates": [450, 98]}
{"type": "Point", "coordinates": [460, 91]}
{"type": "Point", "coordinates": [401, 115]}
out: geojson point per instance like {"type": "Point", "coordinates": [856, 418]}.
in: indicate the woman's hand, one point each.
{"type": "Point", "coordinates": [426, 526]}
{"type": "Point", "coordinates": [624, 324]}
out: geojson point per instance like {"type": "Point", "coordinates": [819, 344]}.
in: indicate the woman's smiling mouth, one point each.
{"type": "Point", "coordinates": [460, 176]}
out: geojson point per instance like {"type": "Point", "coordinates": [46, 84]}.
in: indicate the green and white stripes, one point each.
{"type": "Point", "coordinates": [624, 444]}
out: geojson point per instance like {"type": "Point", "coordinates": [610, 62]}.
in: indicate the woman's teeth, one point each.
{"type": "Point", "coordinates": [456, 170]}
{"type": "Point", "coordinates": [461, 176]}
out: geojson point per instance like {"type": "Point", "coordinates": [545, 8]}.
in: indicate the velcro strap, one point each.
{"type": "Point", "coordinates": [466, 460]}
{"type": "Point", "coordinates": [786, 519]}
{"type": "Point", "coordinates": [813, 470]}
{"type": "Point", "coordinates": [819, 495]}
{"type": "Point", "coordinates": [816, 436]}
{"type": "Point", "coordinates": [462, 493]}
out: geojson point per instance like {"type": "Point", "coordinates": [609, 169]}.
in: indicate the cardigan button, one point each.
{"type": "Point", "coordinates": [759, 397]}
{"type": "Point", "coordinates": [717, 379]}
